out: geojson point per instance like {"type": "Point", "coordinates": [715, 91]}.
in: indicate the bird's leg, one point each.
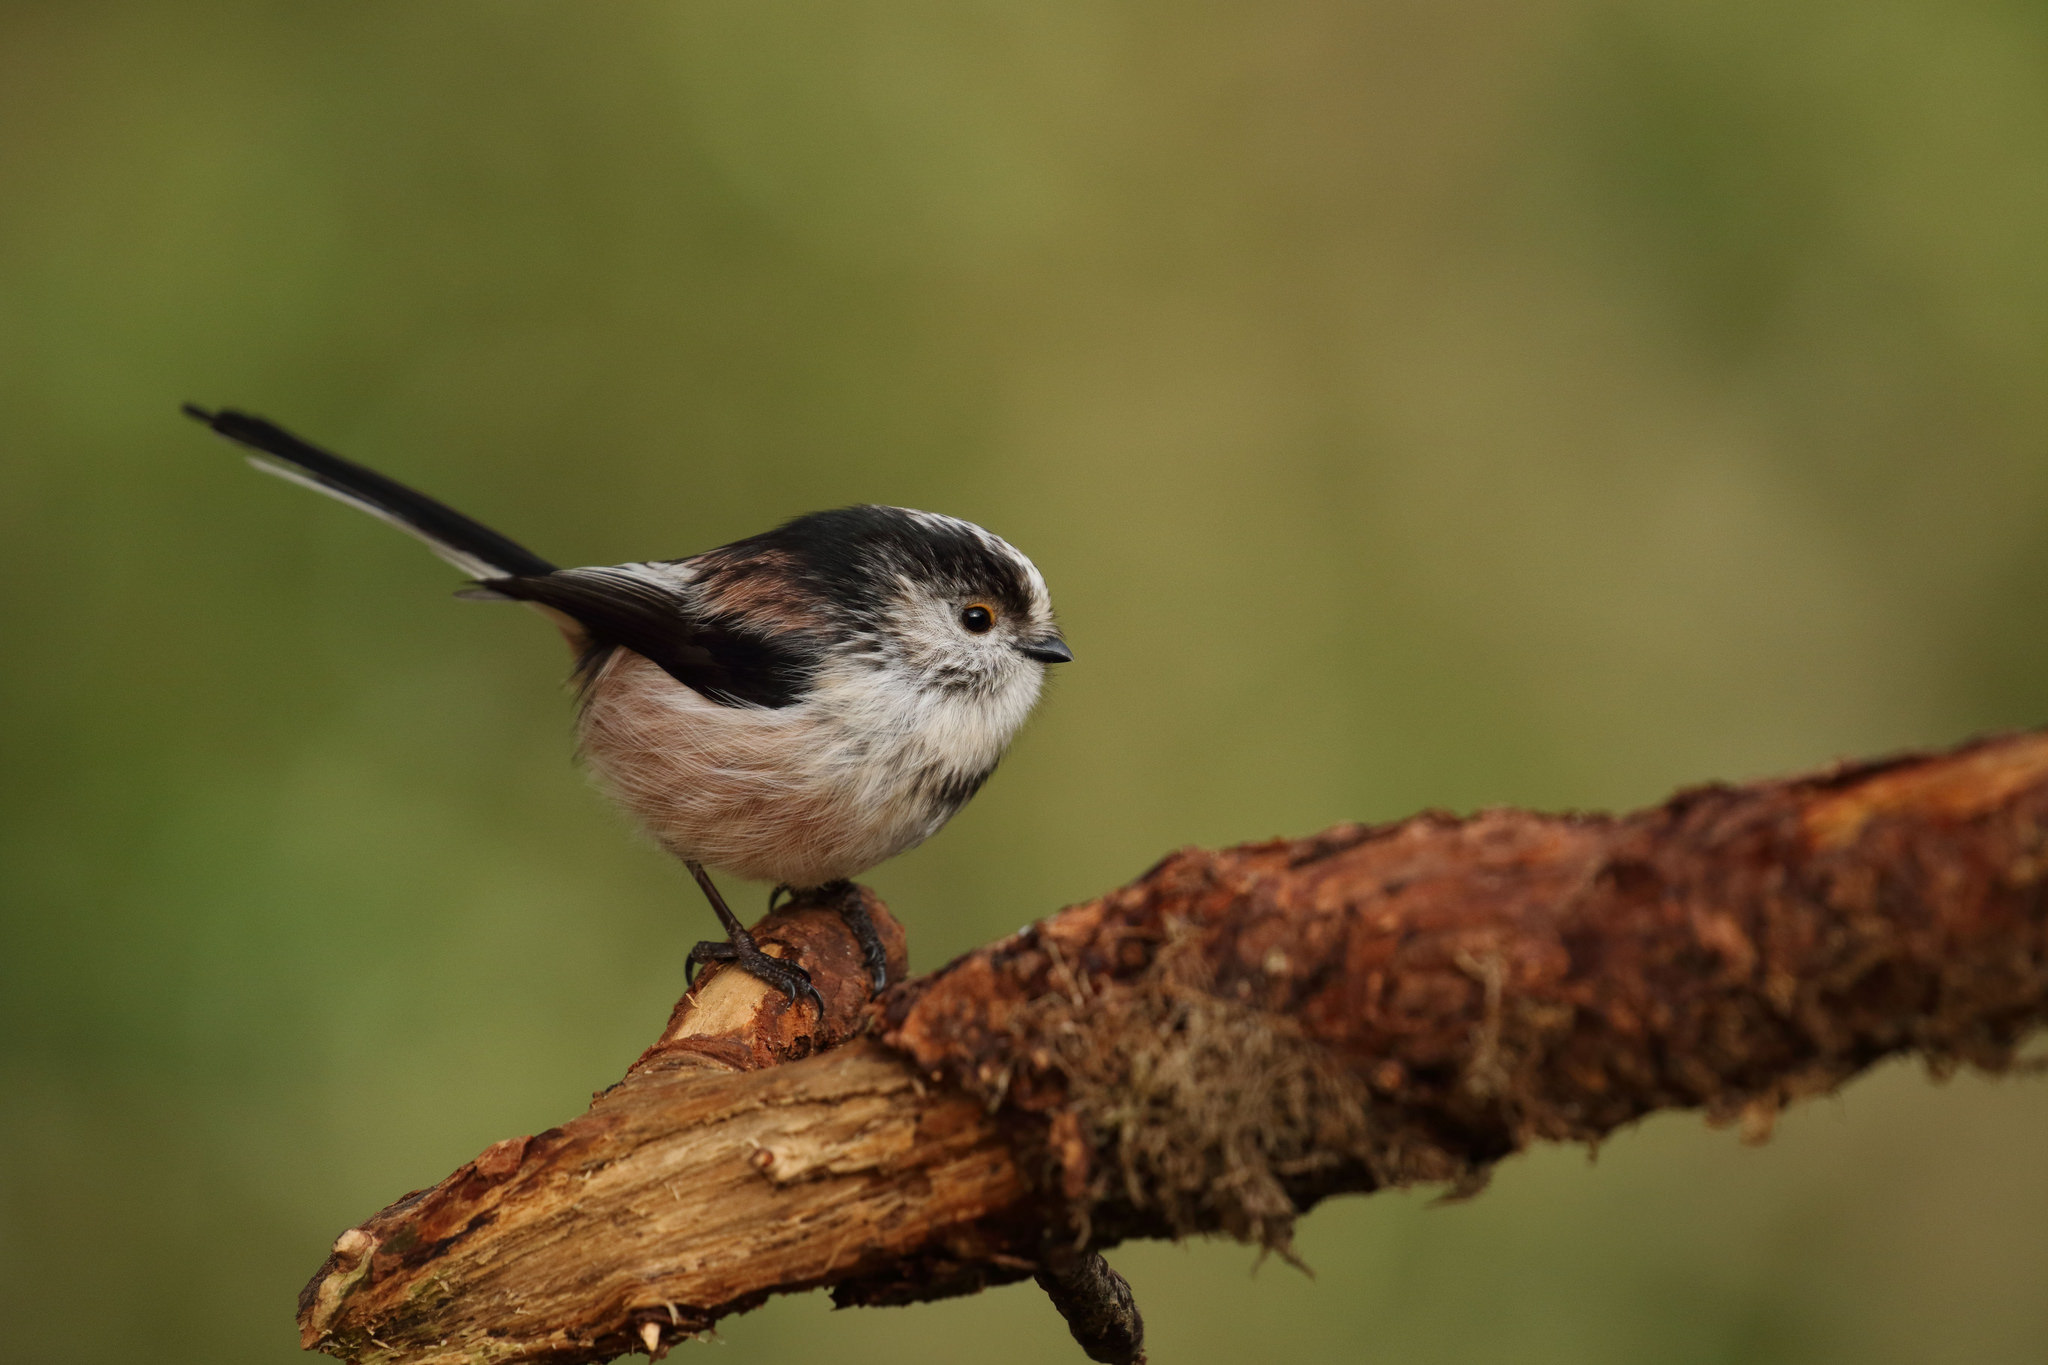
{"type": "Point", "coordinates": [743, 952]}
{"type": "Point", "coordinates": [853, 908]}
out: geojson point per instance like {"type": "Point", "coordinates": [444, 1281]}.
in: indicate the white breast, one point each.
{"type": "Point", "coordinates": [801, 795]}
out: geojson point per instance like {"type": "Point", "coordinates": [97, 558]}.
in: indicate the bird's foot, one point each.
{"type": "Point", "coordinates": [746, 955]}
{"type": "Point", "coordinates": [853, 908]}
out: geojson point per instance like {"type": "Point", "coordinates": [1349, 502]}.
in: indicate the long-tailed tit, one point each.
{"type": "Point", "coordinates": [793, 707]}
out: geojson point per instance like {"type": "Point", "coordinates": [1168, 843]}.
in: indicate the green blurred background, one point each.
{"type": "Point", "coordinates": [1411, 405]}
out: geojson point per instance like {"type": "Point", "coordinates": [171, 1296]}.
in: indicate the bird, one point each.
{"type": "Point", "coordinates": [794, 707]}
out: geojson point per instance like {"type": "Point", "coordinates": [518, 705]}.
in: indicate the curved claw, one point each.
{"type": "Point", "coordinates": [711, 950]}
{"type": "Point", "coordinates": [811, 991]}
{"type": "Point", "coordinates": [874, 956]}
{"type": "Point", "coordinates": [787, 975]}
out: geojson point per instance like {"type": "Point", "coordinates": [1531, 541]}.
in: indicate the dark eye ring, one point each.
{"type": "Point", "coordinates": [977, 618]}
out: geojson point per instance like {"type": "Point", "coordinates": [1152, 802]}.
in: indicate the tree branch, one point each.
{"type": "Point", "coordinates": [1221, 1044]}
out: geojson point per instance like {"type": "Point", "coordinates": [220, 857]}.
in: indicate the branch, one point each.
{"type": "Point", "coordinates": [1223, 1043]}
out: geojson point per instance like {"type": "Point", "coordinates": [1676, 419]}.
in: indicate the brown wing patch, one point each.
{"type": "Point", "coordinates": [764, 586]}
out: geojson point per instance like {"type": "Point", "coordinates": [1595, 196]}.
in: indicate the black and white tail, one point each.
{"type": "Point", "coordinates": [470, 546]}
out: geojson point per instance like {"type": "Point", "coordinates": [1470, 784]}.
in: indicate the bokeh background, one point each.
{"type": "Point", "coordinates": [1412, 404]}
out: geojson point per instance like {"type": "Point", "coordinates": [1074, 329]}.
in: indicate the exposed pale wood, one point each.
{"type": "Point", "coordinates": [660, 1207]}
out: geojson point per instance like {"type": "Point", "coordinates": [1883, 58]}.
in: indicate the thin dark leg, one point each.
{"type": "Point", "coordinates": [742, 951]}
{"type": "Point", "coordinates": [853, 908]}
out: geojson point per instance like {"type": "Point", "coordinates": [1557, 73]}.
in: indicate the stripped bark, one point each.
{"type": "Point", "coordinates": [1226, 1041]}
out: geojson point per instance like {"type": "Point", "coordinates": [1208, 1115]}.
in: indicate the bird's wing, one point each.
{"type": "Point", "coordinates": [647, 608]}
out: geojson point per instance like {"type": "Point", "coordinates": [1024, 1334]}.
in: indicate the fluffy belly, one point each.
{"type": "Point", "coordinates": [797, 795]}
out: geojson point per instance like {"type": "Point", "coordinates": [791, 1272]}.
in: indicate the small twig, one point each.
{"type": "Point", "coordinates": [1098, 1307]}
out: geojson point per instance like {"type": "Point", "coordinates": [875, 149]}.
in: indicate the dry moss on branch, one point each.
{"type": "Point", "coordinates": [1191, 1108]}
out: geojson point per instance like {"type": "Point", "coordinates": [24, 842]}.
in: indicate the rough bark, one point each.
{"type": "Point", "coordinates": [1226, 1041]}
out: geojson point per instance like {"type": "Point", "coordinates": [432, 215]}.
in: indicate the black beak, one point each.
{"type": "Point", "coordinates": [1049, 650]}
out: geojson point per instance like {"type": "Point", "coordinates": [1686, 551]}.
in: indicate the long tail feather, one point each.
{"type": "Point", "coordinates": [470, 546]}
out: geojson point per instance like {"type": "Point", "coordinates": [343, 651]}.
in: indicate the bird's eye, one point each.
{"type": "Point", "coordinates": [977, 618]}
